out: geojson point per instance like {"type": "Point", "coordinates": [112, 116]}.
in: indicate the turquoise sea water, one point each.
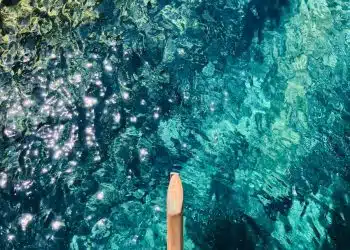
{"type": "Point", "coordinates": [250, 97]}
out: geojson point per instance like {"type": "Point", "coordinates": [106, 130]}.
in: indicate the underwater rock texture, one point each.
{"type": "Point", "coordinates": [99, 100]}
{"type": "Point", "coordinates": [28, 28]}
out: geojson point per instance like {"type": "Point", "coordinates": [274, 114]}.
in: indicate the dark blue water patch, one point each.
{"type": "Point", "coordinates": [222, 230]}
{"type": "Point", "coordinates": [106, 9]}
{"type": "Point", "coordinates": [10, 2]}
{"type": "Point", "coordinates": [339, 229]}
{"type": "Point", "coordinates": [257, 13]}
{"type": "Point", "coordinates": [153, 51]}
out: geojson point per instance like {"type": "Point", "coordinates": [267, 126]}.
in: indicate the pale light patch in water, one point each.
{"type": "Point", "coordinates": [56, 225]}
{"type": "Point", "coordinates": [9, 132]}
{"type": "Point", "coordinates": [44, 170]}
{"type": "Point", "coordinates": [57, 154]}
{"type": "Point", "coordinates": [89, 101]}
{"type": "Point", "coordinates": [24, 185]}
{"type": "Point", "coordinates": [125, 95]}
{"type": "Point", "coordinates": [73, 163]}
{"type": "Point", "coordinates": [107, 65]}
{"type": "Point", "coordinates": [156, 115]}
{"type": "Point", "coordinates": [69, 170]}
{"type": "Point", "coordinates": [68, 146]}
{"type": "Point", "coordinates": [100, 195]}
{"type": "Point", "coordinates": [90, 135]}
{"type": "Point", "coordinates": [35, 152]}
{"type": "Point", "coordinates": [77, 78]}
{"type": "Point", "coordinates": [10, 237]}
{"type": "Point", "coordinates": [53, 180]}
{"type": "Point", "coordinates": [143, 154]}
{"type": "Point", "coordinates": [56, 84]}
{"type": "Point", "coordinates": [24, 220]}
{"type": "Point", "coordinates": [15, 110]}
{"type": "Point", "coordinates": [212, 106]}
{"type": "Point", "coordinates": [117, 117]}
{"type": "Point", "coordinates": [101, 222]}
{"type": "Point", "coordinates": [27, 184]}
{"type": "Point", "coordinates": [3, 180]}
{"type": "Point", "coordinates": [136, 237]}
{"type": "Point", "coordinates": [181, 51]}
{"type": "Point", "coordinates": [28, 103]}
{"type": "Point", "coordinates": [3, 96]}
{"type": "Point", "coordinates": [97, 158]}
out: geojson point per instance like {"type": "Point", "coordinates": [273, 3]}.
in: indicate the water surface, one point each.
{"type": "Point", "coordinates": [98, 100]}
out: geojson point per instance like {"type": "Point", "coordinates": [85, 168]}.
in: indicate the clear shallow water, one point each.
{"type": "Point", "coordinates": [251, 97]}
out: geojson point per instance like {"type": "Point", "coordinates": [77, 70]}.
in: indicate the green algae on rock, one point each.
{"type": "Point", "coordinates": [28, 25]}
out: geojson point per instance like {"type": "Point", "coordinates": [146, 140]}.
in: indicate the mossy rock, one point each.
{"type": "Point", "coordinates": [49, 20]}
